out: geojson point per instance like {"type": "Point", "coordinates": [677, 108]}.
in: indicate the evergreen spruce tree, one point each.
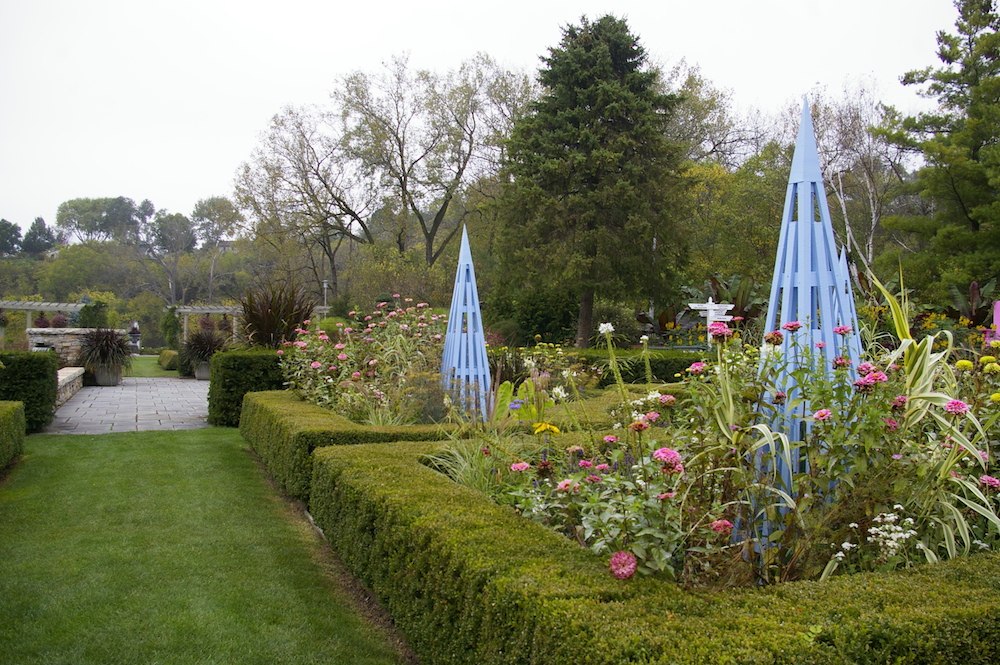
{"type": "Point", "coordinates": [595, 186]}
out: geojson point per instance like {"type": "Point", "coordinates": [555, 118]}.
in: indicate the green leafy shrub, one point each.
{"type": "Point", "coordinates": [105, 349]}
{"type": "Point", "coordinates": [273, 311]}
{"type": "Point", "coordinates": [665, 365]}
{"type": "Point", "coordinates": [235, 373]}
{"type": "Point", "coordinates": [94, 315]}
{"type": "Point", "coordinates": [171, 328]}
{"type": "Point", "coordinates": [201, 345]}
{"type": "Point", "coordinates": [284, 430]}
{"type": "Point", "coordinates": [12, 429]}
{"type": "Point", "coordinates": [32, 378]}
{"type": "Point", "coordinates": [468, 581]}
{"type": "Point", "coordinates": [167, 359]}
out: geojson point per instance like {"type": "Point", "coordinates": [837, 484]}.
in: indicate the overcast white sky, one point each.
{"type": "Point", "coordinates": [164, 100]}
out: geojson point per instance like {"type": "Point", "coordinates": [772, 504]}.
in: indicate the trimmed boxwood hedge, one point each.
{"type": "Point", "coordinates": [236, 373]}
{"type": "Point", "coordinates": [11, 431]}
{"type": "Point", "coordinates": [664, 364]}
{"type": "Point", "coordinates": [468, 581]}
{"type": "Point", "coordinates": [284, 430]}
{"type": "Point", "coordinates": [31, 377]}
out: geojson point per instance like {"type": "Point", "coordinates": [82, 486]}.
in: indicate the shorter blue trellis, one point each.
{"type": "Point", "coordinates": [465, 368]}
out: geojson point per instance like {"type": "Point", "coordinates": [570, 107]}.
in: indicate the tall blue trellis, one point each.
{"type": "Point", "coordinates": [465, 369]}
{"type": "Point", "coordinates": [811, 283]}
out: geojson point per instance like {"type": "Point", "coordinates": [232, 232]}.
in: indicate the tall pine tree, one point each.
{"type": "Point", "coordinates": [595, 186]}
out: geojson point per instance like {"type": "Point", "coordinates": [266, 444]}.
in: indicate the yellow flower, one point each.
{"type": "Point", "coordinates": [995, 398]}
{"type": "Point", "coordinates": [995, 344]}
{"type": "Point", "coordinates": [992, 368]}
{"type": "Point", "coordinates": [985, 360]}
{"type": "Point", "coordinates": [545, 427]}
{"type": "Point", "coordinates": [964, 365]}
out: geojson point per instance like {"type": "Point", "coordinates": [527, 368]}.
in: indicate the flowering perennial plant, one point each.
{"type": "Point", "coordinates": [368, 369]}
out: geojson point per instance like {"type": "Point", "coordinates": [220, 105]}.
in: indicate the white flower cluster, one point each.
{"type": "Point", "coordinates": [605, 328]}
{"type": "Point", "coordinates": [559, 393]}
{"type": "Point", "coordinates": [889, 536]}
{"type": "Point", "coordinates": [845, 547]}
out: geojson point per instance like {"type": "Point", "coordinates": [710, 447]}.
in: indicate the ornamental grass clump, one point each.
{"type": "Point", "coordinates": [378, 369]}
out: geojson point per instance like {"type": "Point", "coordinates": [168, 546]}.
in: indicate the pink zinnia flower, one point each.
{"type": "Point", "coordinates": [520, 466]}
{"type": "Point", "coordinates": [878, 377]}
{"type": "Point", "coordinates": [956, 407]}
{"type": "Point", "coordinates": [593, 479]}
{"type": "Point", "coordinates": [990, 482]}
{"type": "Point", "coordinates": [823, 414]}
{"type": "Point", "coordinates": [356, 375]}
{"type": "Point", "coordinates": [721, 526]}
{"type": "Point", "coordinates": [315, 365]}
{"type": "Point", "coordinates": [820, 345]}
{"type": "Point", "coordinates": [891, 424]}
{"type": "Point", "coordinates": [667, 400]}
{"type": "Point", "coordinates": [842, 330]}
{"type": "Point", "coordinates": [652, 416]}
{"type": "Point", "coordinates": [719, 331]}
{"type": "Point", "coordinates": [333, 368]}
{"type": "Point", "coordinates": [586, 464]}
{"type": "Point", "coordinates": [639, 426]}
{"type": "Point", "coordinates": [899, 402]}
{"type": "Point", "coordinates": [564, 485]}
{"type": "Point", "coordinates": [622, 565]}
{"type": "Point", "coordinates": [338, 346]}
{"type": "Point", "coordinates": [280, 352]}
{"type": "Point", "coordinates": [866, 368]}
{"type": "Point", "coordinates": [601, 467]}
{"type": "Point", "coordinates": [341, 356]}
{"type": "Point", "coordinates": [368, 318]}
{"type": "Point", "coordinates": [611, 439]}
{"type": "Point", "coordinates": [373, 361]}
{"type": "Point", "coordinates": [666, 495]}
{"type": "Point", "coordinates": [306, 322]}
{"type": "Point", "coordinates": [697, 368]}
{"type": "Point", "coordinates": [791, 326]}
{"type": "Point", "coordinates": [841, 361]}
{"type": "Point", "coordinates": [666, 455]}
{"type": "Point", "coordinates": [780, 397]}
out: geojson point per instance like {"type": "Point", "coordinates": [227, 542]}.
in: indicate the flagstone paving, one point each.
{"type": "Point", "coordinates": [134, 405]}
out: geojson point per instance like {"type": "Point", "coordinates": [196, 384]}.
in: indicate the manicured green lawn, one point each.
{"type": "Point", "coordinates": [163, 547]}
{"type": "Point", "coordinates": [146, 366]}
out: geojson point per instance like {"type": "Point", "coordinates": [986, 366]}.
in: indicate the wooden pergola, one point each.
{"type": "Point", "coordinates": [231, 310]}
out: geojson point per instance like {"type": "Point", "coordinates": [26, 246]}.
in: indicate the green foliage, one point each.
{"type": "Point", "coordinates": [39, 238]}
{"type": "Point", "coordinates": [469, 581]}
{"type": "Point", "coordinates": [12, 428]}
{"type": "Point", "coordinates": [958, 144]}
{"type": "Point", "coordinates": [171, 327]}
{"type": "Point", "coordinates": [235, 373]}
{"type": "Point", "coordinates": [168, 359]}
{"type": "Point", "coordinates": [665, 365]}
{"type": "Point", "coordinates": [595, 184]}
{"type": "Point", "coordinates": [31, 377]}
{"type": "Point", "coordinates": [283, 430]}
{"type": "Point", "coordinates": [10, 238]}
{"type": "Point", "coordinates": [518, 312]}
{"type": "Point", "coordinates": [94, 315]}
{"type": "Point", "coordinates": [273, 311]}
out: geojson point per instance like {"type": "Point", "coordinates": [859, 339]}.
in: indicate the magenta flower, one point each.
{"type": "Point", "coordinates": [667, 400]}
{"type": "Point", "coordinates": [333, 368]}
{"type": "Point", "coordinates": [899, 402]}
{"type": "Point", "coordinates": [956, 407]}
{"type": "Point", "coordinates": [338, 346]}
{"type": "Point", "coordinates": [341, 356]}
{"type": "Point", "coordinates": [315, 365]}
{"type": "Point", "coordinates": [891, 424]}
{"type": "Point", "coordinates": [990, 481]}
{"type": "Point", "coordinates": [611, 439]}
{"type": "Point", "coordinates": [878, 377]}
{"type": "Point", "coordinates": [721, 526]}
{"type": "Point", "coordinates": [280, 352]}
{"type": "Point", "coordinates": [667, 455]}
{"type": "Point", "coordinates": [639, 426]}
{"type": "Point", "coordinates": [622, 565]}
{"type": "Point", "coordinates": [791, 326]}
{"type": "Point", "coordinates": [601, 467]}
{"type": "Point", "coordinates": [666, 495]}
{"type": "Point", "coordinates": [780, 397]}
{"type": "Point", "coordinates": [897, 456]}
{"type": "Point", "coordinates": [356, 375]}
{"type": "Point", "coordinates": [520, 466]}
{"type": "Point", "coordinates": [823, 414]}
{"type": "Point", "coordinates": [652, 416]}
{"type": "Point", "coordinates": [841, 362]}
{"type": "Point", "coordinates": [866, 368]}
{"type": "Point", "coordinates": [593, 479]}
{"type": "Point", "coordinates": [372, 362]}
{"type": "Point", "coordinates": [586, 464]}
{"type": "Point", "coordinates": [564, 485]}
{"type": "Point", "coordinates": [719, 331]}
{"type": "Point", "coordinates": [697, 368]}
{"type": "Point", "coordinates": [820, 345]}
{"type": "Point", "coordinates": [842, 330]}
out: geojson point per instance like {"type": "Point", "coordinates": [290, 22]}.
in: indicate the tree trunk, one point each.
{"type": "Point", "coordinates": [586, 319]}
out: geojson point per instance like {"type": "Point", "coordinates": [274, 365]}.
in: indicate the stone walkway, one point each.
{"type": "Point", "coordinates": [134, 405]}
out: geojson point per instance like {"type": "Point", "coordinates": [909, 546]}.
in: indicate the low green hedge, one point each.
{"type": "Point", "coordinates": [468, 581]}
{"type": "Point", "coordinates": [284, 431]}
{"type": "Point", "coordinates": [664, 364]}
{"type": "Point", "coordinates": [12, 429]}
{"type": "Point", "coordinates": [168, 359]}
{"type": "Point", "coordinates": [236, 373]}
{"type": "Point", "coordinates": [31, 377]}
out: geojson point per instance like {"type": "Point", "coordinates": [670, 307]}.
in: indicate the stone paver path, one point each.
{"type": "Point", "coordinates": [134, 405]}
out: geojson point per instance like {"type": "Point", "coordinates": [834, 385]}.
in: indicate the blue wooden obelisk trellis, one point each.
{"type": "Point", "coordinates": [811, 284]}
{"type": "Point", "coordinates": [465, 368]}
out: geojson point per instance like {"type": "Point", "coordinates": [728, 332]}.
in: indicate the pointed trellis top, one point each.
{"type": "Point", "coordinates": [465, 369]}
{"type": "Point", "coordinates": [811, 284]}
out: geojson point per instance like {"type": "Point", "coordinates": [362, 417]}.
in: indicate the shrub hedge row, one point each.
{"type": "Point", "coordinates": [168, 359]}
{"type": "Point", "coordinates": [468, 581]}
{"type": "Point", "coordinates": [236, 373]}
{"type": "Point", "coordinates": [284, 431]}
{"type": "Point", "coordinates": [664, 364]}
{"type": "Point", "coordinates": [11, 431]}
{"type": "Point", "coordinates": [31, 377]}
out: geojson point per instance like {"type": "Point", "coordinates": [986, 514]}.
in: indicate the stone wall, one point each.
{"type": "Point", "coordinates": [66, 341]}
{"type": "Point", "coordinates": [70, 383]}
